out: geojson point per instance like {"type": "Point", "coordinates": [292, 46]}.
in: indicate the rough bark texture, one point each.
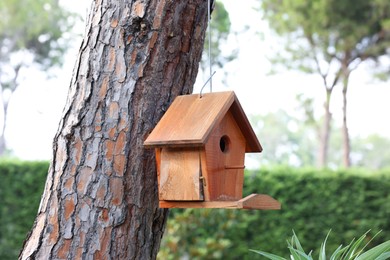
{"type": "Point", "coordinates": [100, 199]}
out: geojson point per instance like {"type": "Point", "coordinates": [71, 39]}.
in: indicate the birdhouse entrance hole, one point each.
{"type": "Point", "coordinates": [224, 144]}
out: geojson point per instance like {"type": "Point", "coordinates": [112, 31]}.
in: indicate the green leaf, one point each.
{"type": "Point", "coordinates": [383, 256]}
{"type": "Point", "coordinates": [268, 255]}
{"type": "Point", "coordinates": [338, 252]}
{"type": "Point", "coordinates": [353, 247]}
{"type": "Point", "coordinates": [322, 255]}
{"type": "Point", "coordinates": [295, 241]}
{"type": "Point", "coordinates": [290, 245]}
{"type": "Point", "coordinates": [375, 252]}
{"type": "Point", "coordinates": [368, 242]}
{"type": "Point", "coordinates": [297, 254]}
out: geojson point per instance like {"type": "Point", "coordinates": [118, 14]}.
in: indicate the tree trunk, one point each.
{"type": "Point", "coordinates": [12, 88]}
{"type": "Point", "coordinates": [3, 145]}
{"type": "Point", "coordinates": [325, 133]}
{"type": "Point", "coordinates": [100, 199]}
{"type": "Point", "coordinates": [344, 128]}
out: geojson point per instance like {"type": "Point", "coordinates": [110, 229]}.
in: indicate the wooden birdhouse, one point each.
{"type": "Point", "coordinates": [200, 145]}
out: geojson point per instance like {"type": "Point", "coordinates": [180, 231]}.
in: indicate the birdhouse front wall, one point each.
{"type": "Point", "coordinates": [224, 156]}
{"type": "Point", "coordinates": [179, 174]}
{"type": "Point", "coordinates": [213, 172]}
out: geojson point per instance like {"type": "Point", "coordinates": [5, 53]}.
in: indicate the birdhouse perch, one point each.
{"type": "Point", "coordinates": [200, 146]}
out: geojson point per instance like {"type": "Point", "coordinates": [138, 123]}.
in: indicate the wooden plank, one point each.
{"type": "Point", "coordinates": [225, 183]}
{"type": "Point", "coordinates": [179, 175]}
{"type": "Point", "coordinates": [158, 163]}
{"type": "Point", "coordinates": [253, 201]}
{"type": "Point", "coordinates": [252, 143]}
{"type": "Point", "coordinates": [190, 119]}
{"type": "Point", "coordinates": [205, 175]}
{"type": "Point", "coordinates": [201, 204]}
{"type": "Point", "coordinates": [259, 201]}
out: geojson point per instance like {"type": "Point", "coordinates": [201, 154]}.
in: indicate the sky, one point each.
{"type": "Point", "coordinates": [36, 107]}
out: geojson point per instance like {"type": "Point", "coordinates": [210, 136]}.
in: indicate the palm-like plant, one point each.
{"type": "Point", "coordinates": [354, 250]}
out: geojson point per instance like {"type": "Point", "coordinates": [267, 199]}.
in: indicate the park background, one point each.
{"type": "Point", "coordinates": [38, 102]}
{"type": "Point", "coordinates": [356, 199]}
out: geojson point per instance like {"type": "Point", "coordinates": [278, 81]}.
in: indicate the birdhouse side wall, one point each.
{"type": "Point", "coordinates": [224, 157]}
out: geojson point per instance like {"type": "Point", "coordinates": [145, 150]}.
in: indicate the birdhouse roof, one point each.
{"type": "Point", "coordinates": [191, 118]}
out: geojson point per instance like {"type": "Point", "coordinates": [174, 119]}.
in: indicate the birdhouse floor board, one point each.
{"type": "Point", "coordinates": [253, 201]}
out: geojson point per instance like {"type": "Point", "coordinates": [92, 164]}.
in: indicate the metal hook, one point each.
{"type": "Point", "coordinates": [207, 81]}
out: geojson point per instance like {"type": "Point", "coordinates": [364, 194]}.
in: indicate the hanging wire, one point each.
{"type": "Point", "coordinates": [211, 74]}
{"type": "Point", "coordinates": [209, 24]}
{"type": "Point", "coordinates": [207, 81]}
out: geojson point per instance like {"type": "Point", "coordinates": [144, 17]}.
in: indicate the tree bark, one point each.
{"type": "Point", "coordinates": [100, 199]}
{"type": "Point", "coordinates": [325, 132]}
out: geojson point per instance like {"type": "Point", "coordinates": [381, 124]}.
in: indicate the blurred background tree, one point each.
{"type": "Point", "coordinates": [289, 141]}
{"type": "Point", "coordinates": [330, 39]}
{"type": "Point", "coordinates": [32, 33]}
{"type": "Point", "coordinates": [220, 54]}
{"type": "Point", "coordinates": [286, 141]}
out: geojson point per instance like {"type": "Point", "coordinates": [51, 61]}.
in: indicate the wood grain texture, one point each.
{"type": "Point", "coordinates": [180, 174]}
{"type": "Point", "coordinates": [158, 164]}
{"type": "Point", "coordinates": [253, 201]}
{"type": "Point", "coordinates": [191, 118]}
{"type": "Point", "coordinates": [205, 175]}
{"type": "Point", "coordinates": [222, 183]}
{"type": "Point", "coordinates": [259, 201]}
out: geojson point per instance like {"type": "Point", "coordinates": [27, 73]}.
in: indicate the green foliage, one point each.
{"type": "Point", "coordinates": [353, 250]}
{"type": "Point", "coordinates": [287, 141]}
{"type": "Point", "coordinates": [371, 152]}
{"type": "Point", "coordinates": [313, 202]}
{"type": "Point", "coordinates": [32, 28]}
{"type": "Point", "coordinates": [21, 187]}
{"type": "Point", "coordinates": [205, 246]}
{"type": "Point", "coordinates": [329, 31]}
{"type": "Point", "coordinates": [292, 139]}
{"type": "Point", "coordinates": [331, 39]}
{"type": "Point", "coordinates": [32, 32]}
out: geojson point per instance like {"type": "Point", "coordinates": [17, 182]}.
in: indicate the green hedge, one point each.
{"type": "Point", "coordinates": [21, 187]}
{"type": "Point", "coordinates": [313, 202]}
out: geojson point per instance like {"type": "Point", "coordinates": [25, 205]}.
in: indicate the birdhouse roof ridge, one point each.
{"type": "Point", "coordinates": [190, 119]}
